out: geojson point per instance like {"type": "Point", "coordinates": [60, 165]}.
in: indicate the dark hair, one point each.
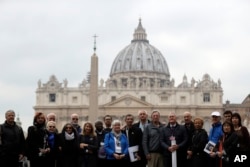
{"type": "Point", "coordinates": [106, 117]}
{"type": "Point", "coordinates": [38, 114]}
{"type": "Point", "coordinates": [230, 124]}
{"type": "Point", "coordinates": [155, 111]}
{"type": "Point", "coordinates": [129, 115]}
{"type": "Point", "coordinates": [237, 115]}
{"type": "Point", "coordinates": [73, 129]}
{"type": "Point", "coordinates": [228, 112]}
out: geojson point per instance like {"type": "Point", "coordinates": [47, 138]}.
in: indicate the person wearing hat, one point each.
{"type": "Point", "coordinates": [215, 134]}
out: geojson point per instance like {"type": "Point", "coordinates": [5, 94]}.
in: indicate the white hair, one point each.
{"type": "Point", "coordinates": [50, 123]}
{"type": "Point", "coordinates": [116, 121]}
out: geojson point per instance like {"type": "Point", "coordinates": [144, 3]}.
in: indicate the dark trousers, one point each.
{"type": "Point", "coordinates": [200, 160]}
{"type": "Point", "coordinates": [181, 159]}
{"type": "Point", "coordinates": [88, 160]}
{"type": "Point", "coordinates": [38, 161]}
{"type": "Point", "coordinates": [101, 162]}
{"type": "Point", "coordinates": [117, 163]}
{"type": "Point", "coordinates": [134, 164]}
{"type": "Point", "coordinates": [213, 162]}
{"type": "Point", "coordinates": [9, 161]}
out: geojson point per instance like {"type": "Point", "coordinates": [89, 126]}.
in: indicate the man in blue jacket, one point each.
{"type": "Point", "coordinates": [215, 134]}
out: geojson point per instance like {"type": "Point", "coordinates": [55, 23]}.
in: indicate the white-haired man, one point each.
{"type": "Point", "coordinates": [51, 117]}
{"type": "Point", "coordinates": [143, 120]}
{"type": "Point", "coordinates": [74, 122]}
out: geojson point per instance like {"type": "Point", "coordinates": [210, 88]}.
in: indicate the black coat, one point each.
{"type": "Point", "coordinates": [12, 144]}
{"type": "Point", "coordinates": [68, 150]}
{"type": "Point", "coordinates": [35, 141]}
{"type": "Point", "coordinates": [199, 141]}
{"type": "Point", "coordinates": [143, 157]}
{"type": "Point", "coordinates": [180, 134]}
{"type": "Point", "coordinates": [52, 155]}
{"type": "Point", "coordinates": [230, 147]}
{"type": "Point", "coordinates": [135, 138]}
{"type": "Point", "coordinates": [12, 139]}
{"type": "Point", "coordinates": [88, 155]}
{"type": "Point", "coordinates": [190, 130]}
{"type": "Point", "coordinates": [230, 143]}
{"type": "Point", "coordinates": [92, 142]}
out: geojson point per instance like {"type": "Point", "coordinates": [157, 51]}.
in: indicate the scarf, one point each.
{"type": "Point", "coordinates": [51, 140]}
{"type": "Point", "coordinates": [117, 135]}
{"type": "Point", "coordinates": [69, 136]}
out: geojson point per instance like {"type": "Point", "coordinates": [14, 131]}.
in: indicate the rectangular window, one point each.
{"type": "Point", "coordinates": [113, 98]}
{"type": "Point", "coordinates": [164, 98]}
{"type": "Point", "coordinates": [52, 97]}
{"type": "Point", "coordinates": [183, 99]}
{"type": "Point", "coordinates": [143, 98]}
{"type": "Point", "coordinates": [206, 97]}
{"type": "Point", "coordinates": [74, 99]}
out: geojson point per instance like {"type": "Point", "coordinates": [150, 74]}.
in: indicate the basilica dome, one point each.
{"type": "Point", "coordinates": [140, 59]}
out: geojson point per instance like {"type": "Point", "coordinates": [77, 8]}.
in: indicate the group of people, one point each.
{"type": "Point", "coordinates": [108, 142]}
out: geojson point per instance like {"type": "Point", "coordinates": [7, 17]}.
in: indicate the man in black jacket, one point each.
{"type": "Point", "coordinates": [174, 138]}
{"type": "Point", "coordinates": [100, 134]}
{"type": "Point", "coordinates": [134, 136]}
{"type": "Point", "coordinates": [12, 141]}
{"type": "Point", "coordinates": [189, 126]}
{"type": "Point", "coordinates": [143, 120]}
{"type": "Point", "coordinates": [107, 121]}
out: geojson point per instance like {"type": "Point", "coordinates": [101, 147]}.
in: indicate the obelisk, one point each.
{"type": "Point", "coordinates": [93, 97]}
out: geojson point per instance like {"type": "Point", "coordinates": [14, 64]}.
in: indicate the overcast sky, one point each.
{"type": "Point", "coordinates": [39, 38]}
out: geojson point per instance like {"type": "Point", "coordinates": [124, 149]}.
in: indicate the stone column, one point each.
{"type": "Point", "coordinates": [93, 98]}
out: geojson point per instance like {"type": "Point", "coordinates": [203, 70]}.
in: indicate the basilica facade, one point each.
{"type": "Point", "coordinates": [139, 79]}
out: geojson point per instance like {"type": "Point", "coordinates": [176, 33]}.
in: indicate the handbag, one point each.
{"type": "Point", "coordinates": [101, 152]}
